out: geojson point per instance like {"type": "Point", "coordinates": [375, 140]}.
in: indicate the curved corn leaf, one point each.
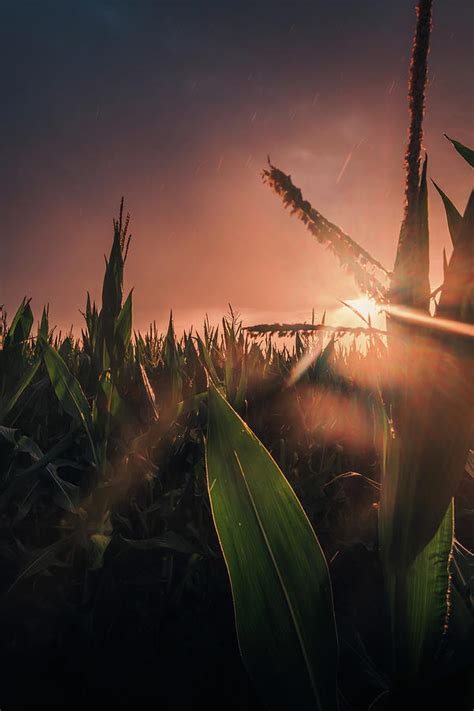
{"type": "Point", "coordinates": [123, 326]}
{"type": "Point", "coordinates": [107, 411]}
{"type": "Point", "coordinates": [149, 392]}
{"type": "Point", "coordinates": [457, 296]}
{"type": "Point", "coordinates": [279, 577]}
{"type": "Point", "coordinates": [112, 288]}
{"type": "Point", "coordinates": [206, 357]}
{"type": "Point", "coordinates": [419, 606]}
{"type": "Point", "coordinates": [464, 151]}
{"type": "Point", "coordinates": [28, 376]}
{"type": "Point", "coordinates": [452, 215]}
{"type": "Point", "coordinates": [68, 391]}
{"type": "Point", "coordinates": [108, 402]}
{"type": "Point", "coordinates": [43, 330]}
{"type": "Point", "coordinates": [64, 493]}
{"type": "Point", "coordinates": [410, 284]}
{"type": "Point", "coordinates": [427, 454]}
{"type": "Point", "coordinates": [20, 327]}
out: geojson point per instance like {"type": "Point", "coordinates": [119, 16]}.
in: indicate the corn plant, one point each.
{"type": "Point", "coordinates": [426, 417]}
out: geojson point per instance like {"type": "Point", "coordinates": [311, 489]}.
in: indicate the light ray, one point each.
{"type": "Point", "coordinates": [439, 324]}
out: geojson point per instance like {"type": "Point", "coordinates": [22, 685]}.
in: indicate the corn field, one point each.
{"type": "Point", "coordinates": [227, 518]}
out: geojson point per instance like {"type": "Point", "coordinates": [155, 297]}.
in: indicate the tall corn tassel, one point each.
{"type": "Point", "coordinates": [410, 282]}
{"type": "Point", "coordinates": [354, 258]}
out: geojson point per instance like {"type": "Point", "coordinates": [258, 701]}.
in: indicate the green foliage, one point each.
{"type": "Point", "coordinates": [145, 494]}
{"type": "Point", "coordinates": [69, 392]}
{"type": "Point", "coordinates": [280, 581]}
{"type": "Point", "coordinates": [19, 330]}
{"type": "Point", "coordinates": [102, 460]}
{"type": "Point", "coordinates": [427, 422]}
{"type": "Point", "coordinates": [9, 400]}
{"type": "Point", "coordinates": [435, 401]}
{"type": "Point", "coordinates": [417, 594]}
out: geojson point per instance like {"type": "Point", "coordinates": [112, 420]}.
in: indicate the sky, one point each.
{"type": "Point", "coordinates": [176, 106]}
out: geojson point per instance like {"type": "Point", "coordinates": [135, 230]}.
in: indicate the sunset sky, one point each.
{"type": "Point", "coordinates": [175, 105]}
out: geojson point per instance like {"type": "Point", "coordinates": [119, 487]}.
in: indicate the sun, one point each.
{"type": "Point", "coordinates": [366, 307]}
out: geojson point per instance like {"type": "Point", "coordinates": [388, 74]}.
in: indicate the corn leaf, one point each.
{"type": "Point", "coordinates": [20, 327]}
{"type": "Point", "coordinates": [419, 604]}
{"type": "Point", "coordinates": [206, 358]}
{"type": "Point", "coordinates": [123, 326]}
{"type": "Point", "coordinates": [43, 330]}
{"type": "Point", "coordinates": [432, 411]}
{"type": "Point", "coordinates": [279, 577]}
{"type": "Point", "coordinates": [9, 404]}
{"type": "Point", "coordinates": [113, 280]}
{"type": "Point", "coordinates": [68, 391]}
{"type": "Point", "coordinates": [428, 451]}
{"type": "Point", "coordinates": [464, 151]}
{"type": "Point", "coordinates": [410, 284]}
{"type": "Point", "coordinates": [452, 215]}
{"type": "Point", "coordinates": [457, 295]}
{"type": "Point", "coordinates": [108, 402]}
{"type": "Point", "coordinates": [149, 392]}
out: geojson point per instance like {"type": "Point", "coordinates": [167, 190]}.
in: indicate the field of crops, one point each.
{"type": "Point", "coordinates": [113, 580]}
{"type": "Point", "coordinates": [274, 516]}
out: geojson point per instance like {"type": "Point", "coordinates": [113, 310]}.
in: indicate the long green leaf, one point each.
{"type": "Point", "coordinates": [112, 288]}
{"type": "Point", "coordinates": [453, 216]}
{"type": "Point", "coordinates": [109, 404]}
{"type": "Point", "coordinates": [20, 327]}
{"type": "Point", "coordinates": [68, 391]}
{"type": "Point", "coordinates": [419, 604]}
{"type": "Point", "coordinates": [150, 393]}
{"type": "Point", "coordinates": [43, 330]}
{"type": "Point", "coordinates": [20, 389]}
{"type": "Point", "coordinates": [427, 452]}
{"type": "Point", "coordinates": [457, 296]}
{"type": "Point", "coordinates": [279, 577]}
{"type": "Point", "coordinates": [410, 284]}
{"type": "Point", "coordinates": [123, 326]}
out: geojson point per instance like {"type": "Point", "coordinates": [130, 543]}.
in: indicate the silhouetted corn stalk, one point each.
{"type": "Point", "coordinates": [410, 282]}
{"type": "Point", "coordinates": [356, 260]}
{"type": "Point", "coordinates": [428, 421]}
{"type": "Point", "coordinates": [287, 329]}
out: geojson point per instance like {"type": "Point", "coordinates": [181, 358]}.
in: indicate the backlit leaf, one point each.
{"type": "Point", "coordinates": [464, 151]}
{"type": "Point", "coordinates": [68, 391]}
{"type": "Point", "coordinates": [279, 577]}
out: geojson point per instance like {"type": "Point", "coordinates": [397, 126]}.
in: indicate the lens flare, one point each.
{"type": "Point", "coordinates": [438, 324]}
